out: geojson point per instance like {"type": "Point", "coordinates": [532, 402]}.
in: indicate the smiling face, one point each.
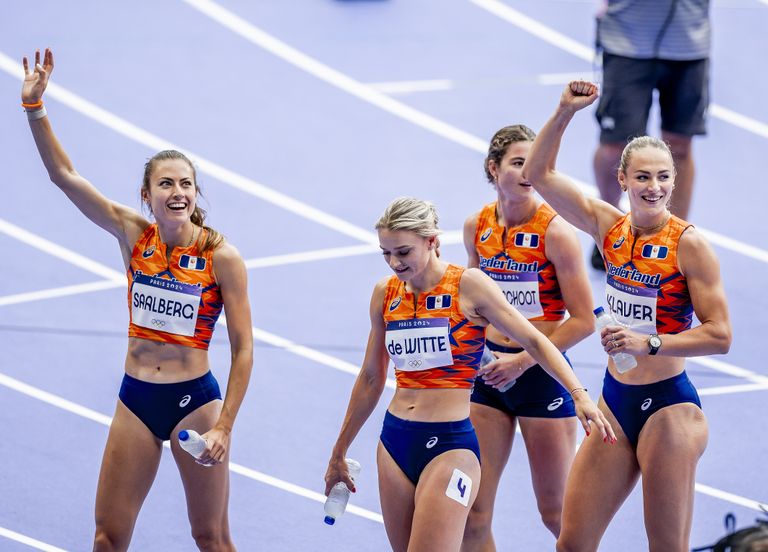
{"type": "Point", "coordinates": [648, 178]}
{"type": "Point", "coordinates": [406, 253]}
{"type": "Point", "coordinates": [508, 173]}
{"type": "Point", "coordinates": [171, 191]}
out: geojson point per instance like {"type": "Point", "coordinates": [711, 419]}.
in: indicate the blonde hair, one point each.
{"type": "Point", "coordinates": [213, 239]}
{"type": "Point", "coordinates": [639, 143]}
{"type": "Point", "coordinates": [411, 214]}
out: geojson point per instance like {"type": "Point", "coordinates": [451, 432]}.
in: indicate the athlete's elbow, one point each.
{"type": "Point", "coordinates": [724, 340]}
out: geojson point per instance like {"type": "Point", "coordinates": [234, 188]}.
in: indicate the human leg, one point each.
{"type": "Point", "coordinates": [128, 468]}
{"type": "Point", "coordinates": [551, 446]}
{"type": "Point", "coordinates": [206, 488]}
{"type": "Point", "coordinates": [682, 154]}
{"type": "Point", "coordinates": [495, 432]}
{"type": "Point", "coordinates": [601, 478]}
{"type": "Point", "coordinates": [396, 493]}
{"type": "Point", "coordinates": [670, 445]}
{"type": "Point", "coordinates": [444, 495]}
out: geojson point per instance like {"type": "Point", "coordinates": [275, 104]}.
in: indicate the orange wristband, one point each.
{"type": "Point", "coordinates": [37, 105]}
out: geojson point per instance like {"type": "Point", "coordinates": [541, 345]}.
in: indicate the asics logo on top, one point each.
{"type": "Point", "coordinates": [646, 404]}
{"type": "Point", "coordinates": [486, 234]}
{"type": "Point", "coordinates": [557, 403]}
{"type": "Point", "coordinates": [618, 242]}
{"type": "Point", "coordinates": [148, 252]}
{"type": "Point", "coordinates": [395, 303]}
{"type": "Point", "coordinates": [432, 442]}
{"type": "Point", "coordinates": [185, 401]}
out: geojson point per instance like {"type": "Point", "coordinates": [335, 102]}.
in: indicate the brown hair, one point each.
{"type": "Point", "coordinates": [501, 141]}
{"type": "Point", "coordinates": [213, 239]}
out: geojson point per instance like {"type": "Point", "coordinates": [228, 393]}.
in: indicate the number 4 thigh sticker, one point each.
{"type": "Point", "coordinates": [460, 487]}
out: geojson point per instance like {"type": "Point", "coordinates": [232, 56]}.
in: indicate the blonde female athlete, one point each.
{"type": "Point", "coordinates": [659, 271]}
{"type": "Point", "coordinates": [429, 318]}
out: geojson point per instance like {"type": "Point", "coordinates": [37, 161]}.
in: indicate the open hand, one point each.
{"type": "Point", "coordinates": [36, 79]}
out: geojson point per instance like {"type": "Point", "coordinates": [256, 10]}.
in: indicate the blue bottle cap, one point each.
{"type": "Point", "coordinates": [183, 435]}
{"type": "Point", "coordinates": [329, 520]}
{"type": "Point", "coordinates": [598, 310]}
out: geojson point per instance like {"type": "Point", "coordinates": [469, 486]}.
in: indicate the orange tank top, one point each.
{"type": "Point", "coordinates": [431, 343]}
{"type": "Point", "coordinates": [176, 301]}
{"type": "Point", "coordinates": [514, 258]}
{"type": "Point", "coordinates": [645, 289]}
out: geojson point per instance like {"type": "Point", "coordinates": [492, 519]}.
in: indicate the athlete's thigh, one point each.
{"type": "Point", "coordinates": [128, 468]}
{"type": "Point", "coordinates": [495, 433]}
{"type": "Point", "coordinates": [445, 493]}
{"type": "Point", "coordinates": [551, 446]}
{"type": "Point", "coordinates": [206, 488]}
{"type": "Point", "coordinates": [601, 478]}
{"type": "Point", "coordinates": [670, 445]}
{"type": "Point", "coordinates": [396, 493]}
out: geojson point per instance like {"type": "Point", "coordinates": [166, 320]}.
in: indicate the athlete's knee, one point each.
{"type": "Point", "coordinates": [668, 543]}
{"type": "Point", "coordinates": [551, 516]}
{"type": "Point", "coordinates": [569, 546]}
{"type": "Point", "coordinates": [109, 539]}
{"type": "Point", "coordinates": [478, 526]}
{"type": "Point", "coordinates": [212, 539]}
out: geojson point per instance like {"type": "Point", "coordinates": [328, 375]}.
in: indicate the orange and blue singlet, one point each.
{"type": "Point", "coordinates": [431, 343]}
{"type": "Point", "coordinates": [515, 259]}
{"type": "Point", "coordinates": [174, 301]}
{"type": "Point", "coordinates": [645, 289]}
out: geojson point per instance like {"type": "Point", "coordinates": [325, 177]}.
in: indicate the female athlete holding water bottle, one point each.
{"type": "Point", "coordinates": [659, 271]}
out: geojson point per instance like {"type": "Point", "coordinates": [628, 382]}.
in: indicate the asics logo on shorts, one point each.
{"type": "Point", "coordinates": [557, 403]}
{"type": "Point", "coordinates": [158, 323]}
{"type": "Point", "coordinates": [185, 401]}
{"type": "Point", "coordinates": [414, 363]}
{"type": "Point", "coordinates": [646, 404]}
{"type": "Point", "coordinates": [432, 442]}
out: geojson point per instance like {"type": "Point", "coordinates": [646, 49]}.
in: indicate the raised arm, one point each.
{"type": "Point", "coordinates": [233, 281]}
{"type": "Point", "coordinates": [365, 394]}
{"type": "Point", "coordinates": [470, 228]}
{"type": "Point", "coordinates": [591, 215]}
{"type": "Point", "coordinates": [120, 221]}
{"type": "Point", "coordinates": [480, 297]}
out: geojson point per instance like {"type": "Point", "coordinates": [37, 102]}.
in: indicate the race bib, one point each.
{"type": "Point", "coordinates": [419, 344]}
{"type": "Point", "coordinates": [521, 290]}
{"type": "Point", "coordinates": [634, 307]}
{"type": "Point", "coordinates": [164, 305]}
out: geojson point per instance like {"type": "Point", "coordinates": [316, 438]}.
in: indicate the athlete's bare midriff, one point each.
{"type": "Point", "coordinates": [158, 362]}
{"type": "Point", "coordinates": [431, 405]}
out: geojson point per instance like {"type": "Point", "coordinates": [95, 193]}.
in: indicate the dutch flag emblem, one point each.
{"type": "Point", "coordinates": [192, 263]}
{"type": "Point", "coordinates": [655, 251]}
{"type": "Point", "coordinates": [435, 302]}
{"type": "Point", "coordinates": [524, 239]}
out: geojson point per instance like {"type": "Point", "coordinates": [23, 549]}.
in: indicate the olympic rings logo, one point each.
{"type": "Point", "coordinates": [414, 363]}
{"type": "Point", "coordinates": [158, 323]}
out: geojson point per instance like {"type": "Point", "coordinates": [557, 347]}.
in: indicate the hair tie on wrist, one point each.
{"type": "Point", "coordinates": [37, 105]}
{"type": "Point", "coordinates": [578, 389]}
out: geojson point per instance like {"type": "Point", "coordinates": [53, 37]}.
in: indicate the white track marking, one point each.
{"type": "Point", "coordinates": [29, 541]}
{"type": "Point", "coordinates": [409, 87]}
{"type": "Point", "coordinates": [63, 291]}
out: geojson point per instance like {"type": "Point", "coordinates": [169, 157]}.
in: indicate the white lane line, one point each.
{"type": "Point", "coordinates": [729, 389]}
{"type": "Point", "coordinates": [730, 369]}
{"type": "Point", "coordinates": [336, 78]}
{"type": "Point", "coordinates": [242, 183]}
{"type": "Point", "coordinates": [29, 541]}
{"type": "Point", "coordinates": [85, 412]}
{"type": "Point", "coordinates": [586, 53]}
{"type": "Point", "coordinates": [63, 291]}
{"type": "Point", "coordinates": [364, 92]}
{"type": "Point", "coordinates": [74, 408]}
{"type": "Point", "coordinates": [309, 256]}
{"type": "Point", "coordinates": [409, 87]}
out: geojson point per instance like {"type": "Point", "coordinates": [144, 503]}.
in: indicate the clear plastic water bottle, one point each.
{"type": "Point", "coordinates": [192, 442]}
{"type": "Point", "coordinates": [336, 502]}
{"type": "Point", "coordinates": [489, 357]}
{"type": "Point", "coordinates": [623, 361]}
